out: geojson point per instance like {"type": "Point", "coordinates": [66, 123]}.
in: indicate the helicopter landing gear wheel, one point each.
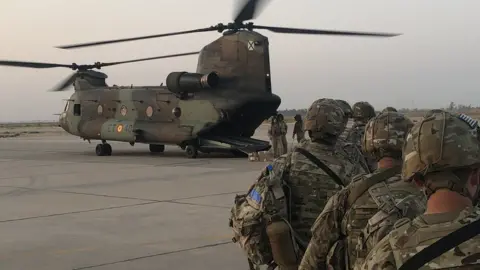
{"type": "Point", "coordinates": [103, 149]}
{"type": "Point", "coordinates": [191, 151]}
{"type": "Point", "coordinates": [156, 148]}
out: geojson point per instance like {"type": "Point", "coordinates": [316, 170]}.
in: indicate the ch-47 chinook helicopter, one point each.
{"type": "Point", "coordinates": [217, 108]}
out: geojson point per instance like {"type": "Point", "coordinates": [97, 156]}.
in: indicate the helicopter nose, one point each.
{"type": "Point", "coordinates": [62, 121]}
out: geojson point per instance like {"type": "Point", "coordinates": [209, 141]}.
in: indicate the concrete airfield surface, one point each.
{"type": "Point", "coordinates": [63, 207]}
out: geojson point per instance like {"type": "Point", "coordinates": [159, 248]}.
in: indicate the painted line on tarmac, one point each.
{"type": "Point", "coordinates": [154, 255]}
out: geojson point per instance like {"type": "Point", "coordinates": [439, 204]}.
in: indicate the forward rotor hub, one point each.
{"type": "Point", "coordinates": [233, 26]}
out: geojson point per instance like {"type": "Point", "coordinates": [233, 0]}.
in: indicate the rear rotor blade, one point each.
{"type": "Point", "coordinates": [249, 10]}
{"type": "Point", "coordinates": [65, 83]}
{"type": "Point", "coordinates": [287, 30]}
{"type": "Point", "coordinates": [31, 64]}
{"type": "Point", "coordinates": [96, 43]}
{"type": "Point", "coordinates": [147, 59]}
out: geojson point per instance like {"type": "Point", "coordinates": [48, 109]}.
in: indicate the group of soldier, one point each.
{"type": "Point", "coordinates": [385, 194]}
{"type": "Point", "coordinates": [278, 133]}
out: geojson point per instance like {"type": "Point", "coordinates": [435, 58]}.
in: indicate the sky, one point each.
{"type": "Point", "coordinates": [435, 61]}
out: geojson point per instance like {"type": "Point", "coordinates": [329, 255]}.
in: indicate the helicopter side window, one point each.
{"type": "Point", "coordinates": [77, 110]}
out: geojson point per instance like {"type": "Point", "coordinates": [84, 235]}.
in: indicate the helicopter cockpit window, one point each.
{"type": "Point", "coordinates": [77, 110]}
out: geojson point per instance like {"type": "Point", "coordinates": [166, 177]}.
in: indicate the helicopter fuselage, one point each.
{"type": "Point", "coordinates": [155, 115]}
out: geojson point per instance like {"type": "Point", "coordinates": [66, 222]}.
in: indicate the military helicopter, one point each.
{"type": "Point", "coordinates": [217, 108]}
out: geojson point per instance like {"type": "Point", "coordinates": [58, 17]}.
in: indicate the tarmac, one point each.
{"type": "Point", "coordinates": [63, 207]}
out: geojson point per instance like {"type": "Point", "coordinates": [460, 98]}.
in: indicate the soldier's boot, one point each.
{"type": "Point", "coordinates": [283, 249]}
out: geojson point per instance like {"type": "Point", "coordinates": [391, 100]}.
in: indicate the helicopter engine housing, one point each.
{"type": "Point", "coordinates": [184, 82]}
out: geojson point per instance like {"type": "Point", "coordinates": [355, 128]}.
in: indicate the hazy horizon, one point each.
{"type": "Point", "coordinates": [434, 62]}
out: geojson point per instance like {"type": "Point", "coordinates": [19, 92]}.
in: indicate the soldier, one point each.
{"type": "Point", "coordinates": [347, 111]}
{"type": "Point", "coordinates": [361, 112]}
{"type": "Point", "coordinates": [310, 174]}
{"type": "Point", "coordinates": [338, 227]}
{"type": "Point", "coordinates": [442, 157]}
{"type": "Point", "coordinates": [344, 149]}
{"type": "Point", "coordinates": [274, 133]}
{"type": "Point", "coordinates": [298, 128]}
{"type": "Point", "coordinates": [389, 109]}
{"type": "Point", "coordinates": [283, 133]}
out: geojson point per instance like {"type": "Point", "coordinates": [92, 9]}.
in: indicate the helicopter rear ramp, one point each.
{"type": "Point", "coordinates": [232, 143]}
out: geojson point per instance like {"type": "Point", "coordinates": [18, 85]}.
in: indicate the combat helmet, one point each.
{"type": "Point", "coordinates": [385, 135]}
{"type": "Point", "coordinates": [347, 110]}
{"type": "Point", "coordinates": [324, 120]}
{"type": "Point", "coordinates": [389, 109]}
{"type": "Point", "coordinates": [440, 143]}
{"type": "Point", "coordinates": [363, 111]}
{"type": "Point", "coordinates": [297, 117]}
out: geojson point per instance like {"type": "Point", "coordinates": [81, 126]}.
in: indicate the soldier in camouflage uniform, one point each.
{"type": "Point", "coordinates": [442, 157]}
{"type": "Point", "coordinates": [389, 109]}
{"type": "Point", "coordinates": [310, 186]}
{"type": "Point", "coordinates": [274, 133]}
{"type": "Point", "coordinates": [347, 110]}
{"type": "Point", "coordinates": [283, 133]}
{"type": "Point", "coordinates": [343, 149]}
{"type": "Point", "coordinates": [362, 112]}
{"type": "Point", "coordinates": [298, 128]}
{"type": "Point", "coordinates": [337, 229]}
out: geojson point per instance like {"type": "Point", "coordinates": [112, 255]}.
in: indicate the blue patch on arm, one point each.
{"type": "Point", "coordinates": [254, 195]}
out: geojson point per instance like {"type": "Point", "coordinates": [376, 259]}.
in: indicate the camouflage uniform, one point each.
{"type": "Point", "coordinates": [274, 133]}
{"type": "Point", "coordinates": [337, 230]}
{"type": "Point", "coordinates": [283, 134]}
{"type": "Point", "coordinates": [436, 149]}
{"type": "Point", "coordinates": [298, 128]}
{"type": "Point", "coordinates": [343, 150]}
{"type": "Point", "coordinates": [310, 186]}
{"type": "Point", "coordinates": [362, 112]}
{"type": "Point", "coordinates": [347, 110]}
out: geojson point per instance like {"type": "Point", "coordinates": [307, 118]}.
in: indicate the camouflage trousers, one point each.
{"type": "Point", "coordinates": [278, 148]}
{"type": "Point", "coordinates": [284, 144]}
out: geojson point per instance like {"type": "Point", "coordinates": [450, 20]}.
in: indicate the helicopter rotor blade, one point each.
{"type": "Point", "coordinates": [65, 83]}
{"type": "Point", "coordinates": [96, 43]}
{"type": "Point", "coordinates": [31, 64]}
{"type": "Point", "coordinates": [147, 59]}
{"type": "Point", "coordinates": [288, 30]}
{"type": "Point", "coordinates": [249, 10]}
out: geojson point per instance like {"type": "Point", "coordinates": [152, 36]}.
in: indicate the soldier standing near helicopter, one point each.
{"type": "Point", "coordinates": [283, 132]}
{"type": "Point", "coordinates": [274, 133]}
{"type": "Point", "coordinates": [298, 128]}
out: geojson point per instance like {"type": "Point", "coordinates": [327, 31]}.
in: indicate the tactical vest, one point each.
{"type": "Point", "coordinates": [395, 199]}
{"type": "Point", "coordinates": [410, 237]}
{"type": "Point", "coordinates": [360, 207]}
